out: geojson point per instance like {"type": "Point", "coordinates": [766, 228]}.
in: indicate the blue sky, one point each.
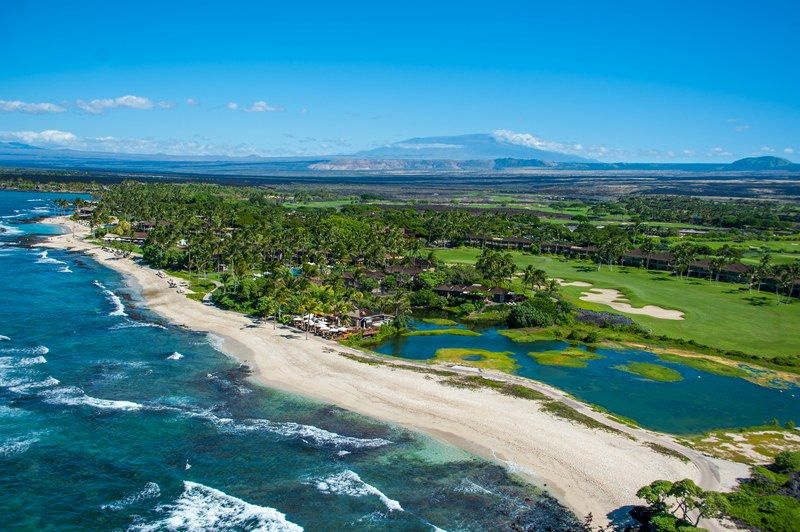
{"type": "Point", "coordinates": [622, 80]}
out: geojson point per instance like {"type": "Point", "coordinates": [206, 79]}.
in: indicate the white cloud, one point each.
{"type": "Point", "coordinates": [192, 102]}
{"type": "Point", "coordinates": [788, 151]}
{"type": "Point", "coordinates": [165, 104]}
{"type": "Point", "coordinates": [48, 137]}
{"type": "Point", "coordinates": [718, 152]}
{"type": "Point", "coordinates": [531, 141]}
{"type": "Point", "coordinates": [303, 111]}
{"type": "Point", "coordinates": [263, 107]}
{"type": "Point", "coordinates": [741, 128]}
{"type": "Point", "coordinates": [129, 101]}
{"type": "Point", "coordinates": [767, 149]}
{"type": "Point", "coordinates": [197, 146]}
{"type": "Point", "coordinates": [232, 106]}
{"type": "Point", "coordinates": [27, 107]}
{"type": "Point", "coordinates": [689, 152]}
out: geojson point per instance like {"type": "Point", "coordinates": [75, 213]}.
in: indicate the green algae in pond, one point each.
{"type": "Point", "coordinates": [571, 357]}
{"type": "Point", "coordinates": [653, 372]}
{"type": "Point", "coordinates": [498, 360]}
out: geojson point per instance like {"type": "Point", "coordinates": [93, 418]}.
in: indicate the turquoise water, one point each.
{"type": "Point", "coordinates": [111, 419]}
{"type": "Point", "coordinates": [700, 402]}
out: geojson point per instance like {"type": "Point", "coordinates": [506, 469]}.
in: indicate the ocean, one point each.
{"type": "Point", "coordinates": [111, 418]}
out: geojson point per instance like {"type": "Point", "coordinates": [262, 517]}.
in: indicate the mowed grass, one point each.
{"type": "Point", "coordinates": [721, 315]}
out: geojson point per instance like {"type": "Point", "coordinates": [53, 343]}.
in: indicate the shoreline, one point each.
{"type": "Point", "coordinates": [588, 470]}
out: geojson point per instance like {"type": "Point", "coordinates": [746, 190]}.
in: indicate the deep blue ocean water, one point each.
{"type": "Point", "coordinates": [112, 419]}
{"type": "Point", "coordinates": [700, 402]}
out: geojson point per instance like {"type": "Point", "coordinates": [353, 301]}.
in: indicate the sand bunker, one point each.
{"type": "Point", "coordinates": [614, 299]}
{"type": "Point", "coordinates": [562, 282]}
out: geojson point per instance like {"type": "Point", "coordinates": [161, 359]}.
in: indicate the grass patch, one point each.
{"type": "Point", "coordinates": [666, 451]}
{"type": "Point", "coordinates": [441, 322]}
{"type": "Point", "coordinates": [494, 316]}
{"type": "Point", "coordinates": [571, 357]}
{"type": "Point", "coordinates": [720, 315]}
{"type": "Point", "coordinates": [561, 410]}
{"type": "Point", "coordinates": [514, 390]}
{"type": "Point", "coordinates": [437, 332]}
{"type": "Point", "coordinates": [704, 364]}
{"type": "Point", "coordinates": [525, 335]}
{"type": "Point", "coordinates": [751, 445]}
{"type": "Point", "coordinates": [653, 372]}
{"type": "Point", "coordinates": [200, 286]}
{"type": "Point", "coordinates": [497, 360]}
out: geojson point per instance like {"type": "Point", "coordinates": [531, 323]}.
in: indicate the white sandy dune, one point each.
{"type": "Point", "coordinates": [589, 470]}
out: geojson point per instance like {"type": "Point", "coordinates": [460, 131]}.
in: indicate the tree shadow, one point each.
{"type": "Point", "coordinates": [757, 301]}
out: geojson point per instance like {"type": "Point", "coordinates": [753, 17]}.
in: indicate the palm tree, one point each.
{"type": "Point", "coordinates": [533, 277]}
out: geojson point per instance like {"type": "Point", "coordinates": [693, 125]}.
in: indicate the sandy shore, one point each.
{"type": "Point", "coordinates": [588, 470]}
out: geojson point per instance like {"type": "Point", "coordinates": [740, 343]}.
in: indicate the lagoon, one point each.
{"type": "Point", "coordinates": [698, 403]}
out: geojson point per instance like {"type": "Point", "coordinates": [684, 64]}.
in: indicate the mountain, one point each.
{"type": "Point", "coordinates": [760, 163]}
{"type": "Point", "coordinates": [478, 146]}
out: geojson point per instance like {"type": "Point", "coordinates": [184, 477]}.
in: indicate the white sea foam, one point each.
{"type": "Point", "coordinates": [7, 412]}
{"type": "Point", "coordinates": [308, 433]}
{"type": "Point", "coordinates": [175, 356]}
{"type": "Point", "coordinates": [24, 386]}
{"type": "Point", "coordinates": [4, 338]}
{"type": "Point", "coordinates": [119, 308]}
{"type": "Point", "coordinates": [130, 324]}
{"type": "Point", "coordinates": [349, 483]}
{"type": "Point", "coordinates": [65, 269]}
{"type": "Point", "coordinates": [18, 445]}
{"type": "Point", "coordinates": [36, 199]}
{"type": "Point", "coordinates": [150, 491]}
{"type": "Point", "coordinates": [202, 508]}
{"type": "Point", "coordinates": [9, 230]}
{"type": "Point", "coordinates": [73, 396]}
{"type": "Point", "coordinates": [216, 342]}
{"type": "Point", "coordinates": [44, 259]}
{"type": "Point", "coordinates": [37, 350]}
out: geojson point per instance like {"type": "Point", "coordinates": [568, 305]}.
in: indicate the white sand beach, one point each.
{"type": "Point", "coordinates": [589, 470]}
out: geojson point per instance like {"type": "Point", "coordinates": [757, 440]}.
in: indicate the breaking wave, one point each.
{"type": "Point", "coordinates": [4, 338]}
{"type": "Point", "coordinates": [38, 350]}
{"type": "Point", "coordinates": [349, 483]}
{"type": "Point", "coordinates": [150, 491]}
{"type": "Point", "coordinates": [74, 396]}
{"type": "Point", "coordinates": [11, 362]}
{"type": "Point", "coordinates": [44, 259]}
{"type": "Point", "coordinates": [15, 446]}
{"type": "Point", "coordinates": [310, 434]}
{"type": "Point", "coordinates": [175, 356]}
{"type": "Point", "coordinates": [119, 308]}
{"type": "Point", "coordinates": [9, 230]}
{"type": "Point", "coordinates": [202, 508]}
{"type": "Point", "coordinates": [130, 324]}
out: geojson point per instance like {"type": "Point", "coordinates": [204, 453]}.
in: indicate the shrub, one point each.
{"type": "Point", "coordinates": [787, 461]}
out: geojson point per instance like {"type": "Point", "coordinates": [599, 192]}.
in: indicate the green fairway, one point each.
{"type": "Point", "coordinates": [721, 315]}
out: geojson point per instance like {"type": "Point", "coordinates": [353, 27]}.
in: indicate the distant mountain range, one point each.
{"type": "Point", "coordinates": [478, 146]}
{"type": "Point", "coordinates": [451, 154]}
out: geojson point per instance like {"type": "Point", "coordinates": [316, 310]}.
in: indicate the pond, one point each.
{"type": "Point", "coordinates": [699, 402]}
